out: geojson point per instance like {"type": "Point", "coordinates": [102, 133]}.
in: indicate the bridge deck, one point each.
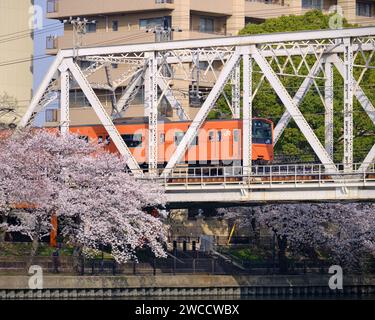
{"type": "Point", "coordinates": [280, 183]}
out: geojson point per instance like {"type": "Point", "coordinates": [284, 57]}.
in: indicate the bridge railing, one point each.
{"type": "Point", "coordinates": [268, 174]}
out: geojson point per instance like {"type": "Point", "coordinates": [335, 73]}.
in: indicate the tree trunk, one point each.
{"type": "Point", "coordinates": [78, 259]}
{"type": "Point", "coordinates": [34, 249]}
{"type": "Point", "coordinates": [4, 220]}
{"type": "Point", "coordinates": [282, 243]}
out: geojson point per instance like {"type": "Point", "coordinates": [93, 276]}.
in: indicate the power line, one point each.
{"type": "Point", "coordinates": [36, 33]}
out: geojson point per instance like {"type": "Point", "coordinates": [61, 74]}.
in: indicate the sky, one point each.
{"type": "Point", "coordinates": [41, 66]}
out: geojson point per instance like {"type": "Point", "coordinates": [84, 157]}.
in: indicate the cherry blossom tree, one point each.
{"type": "Point", "coordinates": [97, 202]}
{"type": "Point", "coordinates": [30, 165]}
{"type": "Point", "coordinates": [105, 207]}
{"type": "Point", "coordinates": [346, 231]}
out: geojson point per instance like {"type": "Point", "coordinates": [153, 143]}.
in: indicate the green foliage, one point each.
{"type": "Point", "coordinates": [22, 249]}
{"type": "Point", "coordinates": [253, 254]}
{"type": "Point", "coordinates": [292, 144]}
{"type": "Point", "coordinates": [312, 20]}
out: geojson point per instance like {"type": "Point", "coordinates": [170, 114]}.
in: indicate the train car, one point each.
{"type": "Point", "coordinates": [219, 142]}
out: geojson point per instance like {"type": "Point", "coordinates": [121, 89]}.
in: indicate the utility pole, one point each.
{"type": "Point", "coordinates": [79, 29]}
{"type": "Point", "coordinates": [164, 32]}
{"type": "Point", "coordinates": [195, 94]}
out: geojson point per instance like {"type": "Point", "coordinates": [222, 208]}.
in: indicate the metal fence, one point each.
{"type": "Point", "coordinates": [209, 265]}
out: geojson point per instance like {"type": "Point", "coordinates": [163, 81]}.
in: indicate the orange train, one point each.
{"type": "Point", "coordinates": [219, 142]}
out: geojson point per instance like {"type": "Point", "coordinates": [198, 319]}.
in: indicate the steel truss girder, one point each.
{"type": "Point", "coordinates": [293, 110]}
{"type": "Point", "coordinates": [323, 36]}
{"type": "Point", "coordinates": [202, 114]}
{"type": "Point", "coordinates": [104, 118]}
{"type": "Point", "coordinates": [289, 44]}
{"type": "Point", "coordinates": [297, 99]}
{"type": "Point", "coordinates": [365, 103]}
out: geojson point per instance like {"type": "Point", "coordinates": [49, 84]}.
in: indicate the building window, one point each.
{"type": "Point", "coordinates": [139, 97]}
{"type": "Point", "coordinates": [203, 65]}
{"type": "Point", "coordinates": [115, 25]}
{"type": "Point", "coordinates": [78, 99]}
{"type": "Point", "coordinates": [165, 22]}
{"type": "Point", "coordinates": [52, 6]}
{"type": "Point", "coordinates": [91, 27]}
{"type": "Point", "coordinates": [312, 4]}
{"type": "Point", "coordinates": [51, 42]}
{"type": "Point", "coordinates": [364, 9]}
{"type": "Point", "coordinates": [51, 115]}
{"type": "Point", "coordinates": [211, 136]}
{"type": "Point", "coordinates": [85, 64]}
{"type": "Point", "coordinates": [114, 65]}
{"type": "Point", "coordinates": [206, 25]}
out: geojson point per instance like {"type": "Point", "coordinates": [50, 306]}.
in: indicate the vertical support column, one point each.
{"type": "Point", "coordinates": [236, 92]}
{"type": "Point", "coordinates": [348, 105]}
{"type": "Point", "coordinates": [151, 110]}
{"type": "Point", "coordinates": [247, 112]}
{"type": "Point", "coordinates": [328, 97]}
{"type": "Point", "coordinates": [64, 100]}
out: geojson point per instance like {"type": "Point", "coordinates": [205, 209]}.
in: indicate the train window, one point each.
{"type": "Point", "coordinates": [85, 138]}
{"type": "Point", "coordinates": [219, 136]}
{"type": "Point", "coordinates": [262, 132]}
{"type": "Point", "coordinates": [107, 140]}
{"type": "Point", "coordinates": [178, 137]}
{"type": "Point", "coordinates": [162, 138]}
{"type": "Point", "coordinates": [195, 141]}
{"type": "Point", "coordinates": [236, 135]}
{"type": "Point", "coordinates": [100, 140]}
{"type": "Point", "coordinates": [211, 136]}
{"type": "Point", "coordinates": [133, 140]}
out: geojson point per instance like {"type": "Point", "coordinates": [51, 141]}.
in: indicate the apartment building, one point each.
{"type": "Point", "coordinates": [16, 52]}
{"type": "Point", "coordinates": [114, 22]}
{"type": "Point", "coordinates": [360, 12]}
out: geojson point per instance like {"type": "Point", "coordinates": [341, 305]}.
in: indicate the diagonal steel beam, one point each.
{"type": "Point", "coordinates": [293, 110]}
{"type": "Point", "coordinates": [297, 99]}
{"type": "Point", "coordinates": [123, 102]}
{"type": "Point", "coordinates": [202, 114]}
{"type": "Point", "coordinates": [104, 118]}
{"type": "Point", "coordinates": [175, 104]}
{"type": "Point", "coordinates": [363, 100]}
{"type": "Point", "coordinates": [368, 160]}
{"type": "Point", "coordinates": [40, 92]}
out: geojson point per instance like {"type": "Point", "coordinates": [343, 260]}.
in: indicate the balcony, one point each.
{"type": "Point", "coordinates": [265, 9]}
{"type": "Point", "coordinates": [213, 7]}
{"type": "Point", "coordinates": [66, 8]}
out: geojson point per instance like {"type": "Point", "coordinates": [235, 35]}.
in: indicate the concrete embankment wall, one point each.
{"type": "Point", "coordinates": [73, 287]}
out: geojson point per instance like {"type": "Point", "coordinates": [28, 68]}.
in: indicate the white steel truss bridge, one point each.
{"type": "Point", "coordinates": [313, 56]}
